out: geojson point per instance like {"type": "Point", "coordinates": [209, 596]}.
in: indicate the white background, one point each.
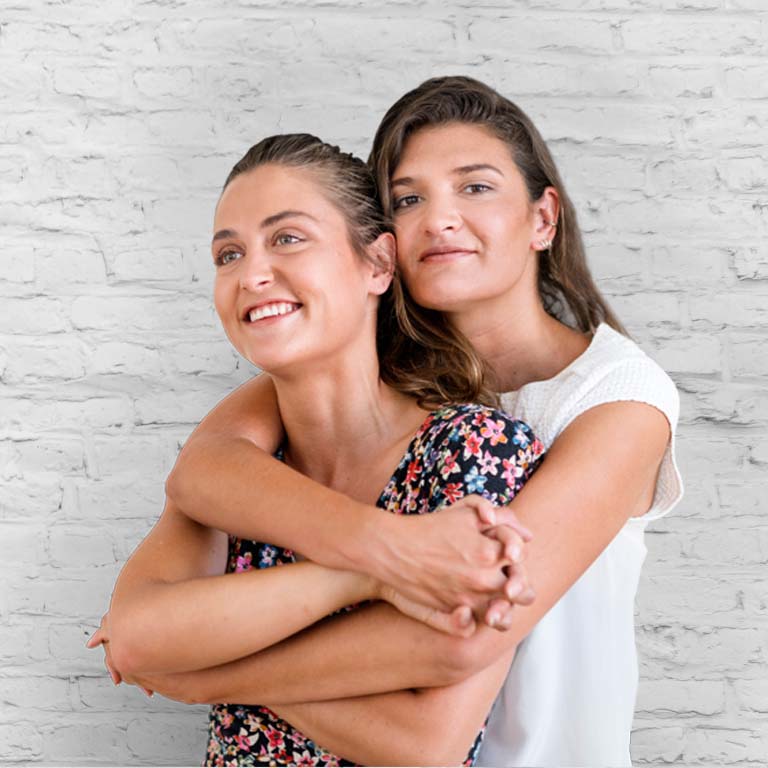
{"type": "Point", "coordinates": [119, 122]}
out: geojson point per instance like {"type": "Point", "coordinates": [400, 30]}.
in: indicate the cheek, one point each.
{"type": "Point", "coordinates": [404, 239]}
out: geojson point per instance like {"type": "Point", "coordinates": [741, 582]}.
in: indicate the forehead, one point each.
{"type": "Point", "coordinates": [271, 188]}
{"type": "Point", "coordinates": [452, 145]}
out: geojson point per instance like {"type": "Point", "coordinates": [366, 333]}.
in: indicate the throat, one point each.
{"type": "Point", "coordinates": [360, 470]}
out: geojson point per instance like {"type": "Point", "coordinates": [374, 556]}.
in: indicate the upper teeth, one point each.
{"type": "Point", "coordinates": [270, 310]}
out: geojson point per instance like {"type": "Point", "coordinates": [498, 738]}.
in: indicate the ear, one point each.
{"type": "Point", "coordinates": [546, 211]}
{"type": "Point", "coordinates": [382, 252]}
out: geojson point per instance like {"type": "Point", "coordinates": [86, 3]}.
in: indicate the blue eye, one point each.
{"type": "Point", "coordinates": [286, 239]}
{"type": "Point", "coordinates": [405, 201]}
{"type": "Point", "coordinates": [227, 257]}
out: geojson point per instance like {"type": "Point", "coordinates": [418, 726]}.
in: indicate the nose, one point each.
{"type": "Point", "coordinates": [257, 272]}
{"type": "Point", "coordinates": [440, 215]}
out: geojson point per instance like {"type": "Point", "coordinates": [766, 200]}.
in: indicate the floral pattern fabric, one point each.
{"type": "Point", "coordinates": [458, 451]}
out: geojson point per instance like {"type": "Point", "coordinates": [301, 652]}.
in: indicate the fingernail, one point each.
{"type": "Point", "coordinates": [493, 619]}
{"type": "Point", "coordinates": [465, 617]}
{"type": "Point", "coordinates": [515, 553]}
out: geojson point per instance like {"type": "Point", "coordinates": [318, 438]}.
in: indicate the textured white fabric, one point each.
{"type": "Point", "coordinates": [569, 697]}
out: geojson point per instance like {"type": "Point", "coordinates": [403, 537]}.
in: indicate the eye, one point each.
{"type": "Point", "coordinates": [286, 238]}
{"type": "Point", "coordinates": [227, 256]}
{"type": "Point", "coordinates": [405, 201]}
{"type": "Point", "coordinates": [476, 188]}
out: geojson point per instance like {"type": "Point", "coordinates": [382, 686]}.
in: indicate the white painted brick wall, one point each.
{"type": "Point", "coordinates": [119, 122]}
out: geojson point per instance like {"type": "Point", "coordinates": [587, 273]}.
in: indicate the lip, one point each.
{"type": "Point", "coordinates": [445, 253]}
{"type": "Point", "coordinates": [245, 314]}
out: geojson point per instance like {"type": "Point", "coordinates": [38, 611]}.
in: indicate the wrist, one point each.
{"type": "Point", "coordinates": [378, 546]}
{"type": "Point", "coordinates": [366, 587]}
{"type": "Point", "coordinates": [364, 548]}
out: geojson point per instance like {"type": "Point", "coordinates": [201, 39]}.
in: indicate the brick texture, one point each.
{"type": "Point", "coordinates": [119, 124]}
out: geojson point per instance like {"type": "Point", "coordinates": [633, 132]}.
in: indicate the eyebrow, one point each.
{"type": "Point", "coordinates": [224, 234]}
{"type": "Point", "coordinates": [462, 170]}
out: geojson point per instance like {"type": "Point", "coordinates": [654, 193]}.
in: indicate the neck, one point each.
{"type": "Point", "coordinates": [518, 339]}
{"type": "Point", "coordinates": [338, 415]}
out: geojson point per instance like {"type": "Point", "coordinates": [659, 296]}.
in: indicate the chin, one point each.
{"type": "Point", "coordinates": [444, 298]}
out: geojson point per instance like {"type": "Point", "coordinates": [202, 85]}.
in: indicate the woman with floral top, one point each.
{"type": "Point", "coordinates": [304, 289]}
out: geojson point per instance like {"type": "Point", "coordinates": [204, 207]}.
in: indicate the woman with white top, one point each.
{"type": "Point", "coordinates": [486, 236]}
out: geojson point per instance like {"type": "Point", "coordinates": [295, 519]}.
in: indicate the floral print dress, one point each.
{"type": "Point", "coordinates": [459, 450]}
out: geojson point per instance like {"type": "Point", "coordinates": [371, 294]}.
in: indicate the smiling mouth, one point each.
{"type": "Point", "coordinates": [277, 309]}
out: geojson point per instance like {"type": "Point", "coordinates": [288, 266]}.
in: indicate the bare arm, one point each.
{"type": "Point", "coordinates": [226, 478]}
{"type": "Point", "coordinates": [599, 472]}
{"type": "Point", "coordinates": [172, 600]}
{"type": "Point", "coordinates": [436, 726]}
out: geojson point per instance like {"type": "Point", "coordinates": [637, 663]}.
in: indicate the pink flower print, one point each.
{"type": "Point", "coordinates": [299, 739]}
{"type": "Point", "coordinates": [472, 445]}
{"type": "Point", "coordinates": [512, 470]}
{"type": "Point", "coordinates": [227, 719]}
{"type": "Point", "coordinates": [449, 465]}
{"type": "Point", "coordinates": [276, 738]}
{"type": "Point", "coordinates": [243, 562]}
{"type": "Point", "coordinates": [488, 464]}
{"type": "Point", "coordinates": [243, 742]}
{"type": "Point", "coordinates": [495, 431]}
{"type": "Point", "coordinates": [303, 759]}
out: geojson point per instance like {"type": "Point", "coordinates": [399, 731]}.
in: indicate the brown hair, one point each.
{"type": "Point", "coordinates": [564, 281]}
{"type": "Point", "coordinates": [419, 352]}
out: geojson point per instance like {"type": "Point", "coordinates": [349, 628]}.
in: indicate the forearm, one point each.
{"type": "Point", "coordinates": [436, 726]}
{"type": "Point", "coordinates": [226, 478]}
{"type": "Point", "coordinates": [386, 729]}
{"type": "Point", "coordinates": [232, 484]}
{"type": "Point", "coordinates": [374, 649]}
{"type": "Point", "coordinates": [177, 627]}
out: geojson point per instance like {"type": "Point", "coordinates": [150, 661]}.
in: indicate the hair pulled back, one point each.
{"type": "Point", "coordinates": [565, 284]}
{"type": "Point", "coordinates": [419, 353]}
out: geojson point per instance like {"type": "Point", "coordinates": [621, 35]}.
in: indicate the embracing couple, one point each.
{"type": "Point", "coordinates": [431, 340]}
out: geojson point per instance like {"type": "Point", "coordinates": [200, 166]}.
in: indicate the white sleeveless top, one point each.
{"type": "Point", "coordinates": [569, 696]}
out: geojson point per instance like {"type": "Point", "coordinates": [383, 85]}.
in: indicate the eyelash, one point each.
{"type": "Point", "coordinates": [295, 238]}
{"type": "Point", "coordinates": [399, 202]}
{"type": "Point", "coordinates": [221, 258]}
{"type": "Point", "coordinates": [478, 187]}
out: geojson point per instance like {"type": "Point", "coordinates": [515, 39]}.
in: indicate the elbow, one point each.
{"type": "Point", "coordinates": [129, 650]}
{"type": "Point", "coordinates": [462, 658]}
{"type": "Point", "coordinates": [177, 483]}
{"type": "Point", "coordinates": [451, 660]}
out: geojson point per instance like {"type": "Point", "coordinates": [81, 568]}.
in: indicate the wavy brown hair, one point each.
{"type": "Point", "coordinates": [565, 284]}
{"type": "Point", "coordinates": [420, 354]}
